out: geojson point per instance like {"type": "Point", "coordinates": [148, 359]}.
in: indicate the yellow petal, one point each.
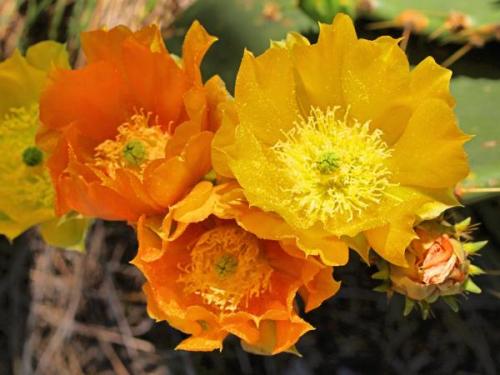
{"type": "Point", "coordinates": [67, 232]}
{"type": "Point", "coordinates": [292, 39]}
{"type": "Point", "coordinates": [430, 80]}
{"type": "Point", "coordinates": [47, 55]}
{"type": "Point", "coordinates": [223, 139]}
{"type": "Point", "coordinates": [20, 83]}
{"type": "Point", "coordinates": [430, 152]}
{"type": "Point", "coordinates": [22, 79]}
{"type": "Point", "coordinates": [375, 75]}
{"type": "Point", "coordinates": [391, 240]}
{"type": "Point", "coordinates": [10, 228]}
{"type": "Point", "coordinates": [314, 242]}
{"type": "Point", "coordinates": [265, 92]}
{"type": "Point", "coordinates": [254, 170]}
{"type": "Point", "coordinates": [315, 87]}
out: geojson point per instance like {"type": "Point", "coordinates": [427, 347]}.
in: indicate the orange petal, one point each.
{"type": "Point", "coordinates": [322, 287]}
{"type": "Point", "coordinates": [196, 44]}
{"type": "Point", "coordinates": [197, 205]}
{"type": "Point", "coordinates": [92, 98]}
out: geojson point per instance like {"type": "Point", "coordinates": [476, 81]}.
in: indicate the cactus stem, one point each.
{"type": "Point", "coordinates": [457, 55]}
{"type": "Point", "coordinates": [441, 29]}
{"type": "Point", "coordinates": [478, 190]}
{"type": "Point", "coordinates": [405, 37]}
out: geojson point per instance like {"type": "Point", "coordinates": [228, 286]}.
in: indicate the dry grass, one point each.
{"type": "Point", "coordinates": [87, 311]}
{"type": "Point", "coordinates": [23, 22]}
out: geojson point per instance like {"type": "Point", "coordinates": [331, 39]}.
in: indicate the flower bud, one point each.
{"type": "Point", "coordinates": [439, 265]}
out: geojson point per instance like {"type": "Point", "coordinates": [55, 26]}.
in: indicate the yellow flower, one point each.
{"type": "Point", "coordinates": [342, 140]}
{"type": "Point", "coordinates": [26, 193]}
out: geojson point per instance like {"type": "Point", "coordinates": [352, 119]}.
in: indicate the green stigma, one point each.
{"type": "Point", "coordinates": [134, 152]}
{"type": "Point", "coordinates": [327, 163]}
{"type": "Point", "coordinates": [32, 156]}
{"type": "Point", "coordinates": [226, 265]}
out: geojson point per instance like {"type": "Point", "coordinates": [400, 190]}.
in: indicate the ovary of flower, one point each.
{"type": "Point", "coordinates": [227, 268]}
{"type": "Point", "coordinates": [137, 143]}
{"type": "Point", "coordinates": [337, 165]}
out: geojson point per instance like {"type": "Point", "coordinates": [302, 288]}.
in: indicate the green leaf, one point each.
{"type": "Point", "coordinates": [426, 310]}
{"type": "Point", "coordinates": [474, 247]}
{"type": "Point", "coordinates": [463, 225]}
{"type": "Point", "coordinates": [475, 270]}
{"type": "Point", "coordinates": [470, 286]}
{"type": "Point", "coordinates": [452, 302]}
{"type": "Point", "coordinates": [382, 287]}
{"type": "Point", "coordinates": [409, 305]}
{"type": "Point", "coordinates": [240, 24]}
{"type": "Point", "coordinates": [381, 275]}
{"type": "Point", "coordinates": [478, 112]}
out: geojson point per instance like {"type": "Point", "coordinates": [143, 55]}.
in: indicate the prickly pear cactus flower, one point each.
{"type": "Point", "coordinates": [130, 132]}
{"type": "Point", "coordinates": [26, 193]}
{"type": "Point", "coordinates": [341, 139]}
{"type": "Point", "coordinates": [210, 278]}
{"type": "Point", "coordinates": [439, 265]}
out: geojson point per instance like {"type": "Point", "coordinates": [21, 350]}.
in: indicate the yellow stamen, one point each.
{"type": "Point", "coordinates": [336, 165]}
{"type": "Point", "coordinates": [137, 143]}
{"type": "Point", "coordinates": [227, 268]}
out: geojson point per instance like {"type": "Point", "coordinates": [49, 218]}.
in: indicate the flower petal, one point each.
{"type": "Point", "coordinates": [314, 87]}
{"type": "Point", "coordinates": [430, 152]}
{"type": "Point", "coordinates": [266, 86]}
{"type": "Point", "coordinates": [375, 75]}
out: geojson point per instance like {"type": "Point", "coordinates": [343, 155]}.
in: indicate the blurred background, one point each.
{"type": "Point", "coordinates": [65, 312]}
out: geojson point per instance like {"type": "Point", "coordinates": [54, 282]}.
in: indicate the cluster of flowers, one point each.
{"type": "Point", "coordinates": [243, 205]}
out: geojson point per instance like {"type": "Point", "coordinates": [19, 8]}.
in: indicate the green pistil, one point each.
{"type": "Point", "coordinates": [226, 265]}
{"type": "Point", "coordinates": [328, 163]}
{"type": "Point", "coordinates": [32, 156]}
{"type": "Point", "coordinates": [134, 152]}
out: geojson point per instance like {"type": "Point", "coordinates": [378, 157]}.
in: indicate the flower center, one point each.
{"type": "Point", "coordinates": [227, 268]}
{"type": "Point", "coordinates": [137, 143]}
{"type": "Point", "coordinates": [335, 165]}
{"type": "Point", "coordinates": [327, 163]}
{"type": "Point", "coordinates": [134, 152]}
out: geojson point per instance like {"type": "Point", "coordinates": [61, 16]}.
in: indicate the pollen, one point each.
{"type": "Point", "coordinates": [336, 166]}
{"type": "Point", "coordinates": [227, 268]}
{"type": "Point", "coordinates": [138, 142]}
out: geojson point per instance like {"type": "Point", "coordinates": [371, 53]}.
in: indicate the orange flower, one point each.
{"type": "Point", "coordinates": [129, 133]}
{"type": "Point", "coordinates": [208, 277]}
